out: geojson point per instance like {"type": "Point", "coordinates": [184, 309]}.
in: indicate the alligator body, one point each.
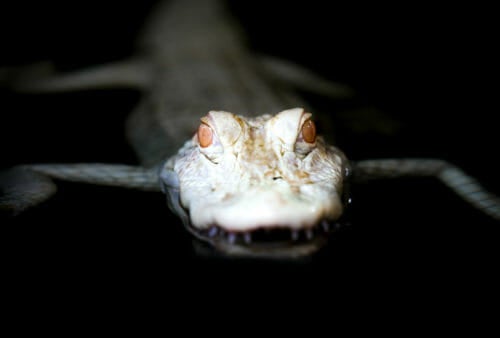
{"type": "Point", "coordinates": [191, 59]}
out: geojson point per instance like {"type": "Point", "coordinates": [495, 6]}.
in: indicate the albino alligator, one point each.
{"type": "Point", "coordinates": [255, 178]}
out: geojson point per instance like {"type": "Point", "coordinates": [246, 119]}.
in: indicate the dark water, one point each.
{"type": "Point", "coordinates": [429, 75]}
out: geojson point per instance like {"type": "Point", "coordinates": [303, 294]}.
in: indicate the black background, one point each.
{"type": "Point", "coordinates": [432, 70]}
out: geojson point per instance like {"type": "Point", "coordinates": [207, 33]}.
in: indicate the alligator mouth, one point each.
{"type": "Point", "coordinates": [278, 242]}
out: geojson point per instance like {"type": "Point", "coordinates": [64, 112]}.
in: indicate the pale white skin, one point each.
{"type": "Point", "coordinates": [257, 173]}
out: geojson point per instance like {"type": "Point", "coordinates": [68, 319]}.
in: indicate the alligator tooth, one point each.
{"type": "Point", "coordinates": [247, 237]}
{"type": "Point", "coordinates": [231, 237]}
{"type": "Point", "coordinates": [325, 225]}
{"type": "Point", "coordinates": [212, 231]}
{"type": "Point", "coordinates": [309, 234]}
{"type": "Point", "coordinates": [295, 235]}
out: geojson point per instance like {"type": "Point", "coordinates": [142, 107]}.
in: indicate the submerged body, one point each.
{"type": "Point", "coordinates": [257, 172]}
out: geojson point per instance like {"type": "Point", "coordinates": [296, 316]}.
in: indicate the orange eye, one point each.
{"type": "Point", "coordinates": [205, 135]}
{"type": "Point", "coordinates": [309, 131]}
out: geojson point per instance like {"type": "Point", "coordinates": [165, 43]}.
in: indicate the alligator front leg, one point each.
{"type": "Point", "coordinates": [25, 186]}
{"type": "Point", "coordinates": [453, 177]}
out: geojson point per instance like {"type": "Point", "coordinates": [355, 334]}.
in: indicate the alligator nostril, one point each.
{"type": "Point", "coordinates": [277, 178]}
